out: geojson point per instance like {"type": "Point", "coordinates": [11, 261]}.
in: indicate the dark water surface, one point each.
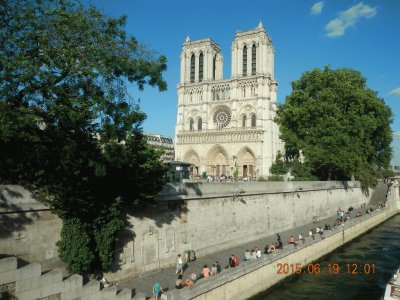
{"type": "Point", "coordinates": [380, 246]}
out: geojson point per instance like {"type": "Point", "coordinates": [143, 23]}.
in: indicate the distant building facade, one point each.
{"type": "Point", "coordinates": [226, 126]}
{"type": "Point", "coordinates": [162, 142]}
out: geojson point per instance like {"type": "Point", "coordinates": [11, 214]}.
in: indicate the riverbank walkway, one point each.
{"type": "Point", "coordinates": [166, 277]}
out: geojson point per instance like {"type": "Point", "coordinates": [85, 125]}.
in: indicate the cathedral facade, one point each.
{"type": "Point", "coordinates": [226, 126]}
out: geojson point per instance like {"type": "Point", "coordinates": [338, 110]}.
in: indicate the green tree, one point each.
{"type": "Point", "coordinates": [279, 166]}
{"type": "Point", "coordinates": [341, 126]}
{"type": "Point", "coordinates": [68, 127]}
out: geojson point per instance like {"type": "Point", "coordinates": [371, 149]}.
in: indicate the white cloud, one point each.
{"type": "Point", "coordinates": [396, 92]}
{"type": "Point", "coordinates": [346, 19]}
{"type": "Point", "coordinates": [317, 8]}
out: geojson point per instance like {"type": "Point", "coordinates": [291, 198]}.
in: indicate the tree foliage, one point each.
{"type": "Point", "coordinates": [279, 166]}
{"type": "Point", "coordinates": [68, 127]}
{"type": "Point", "coordinates": [341, 126]}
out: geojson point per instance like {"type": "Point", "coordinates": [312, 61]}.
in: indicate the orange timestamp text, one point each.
{"type": "Point", "coordinates": [331, 268]}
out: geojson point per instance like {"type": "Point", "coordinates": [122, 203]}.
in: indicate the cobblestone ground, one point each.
{"type": "Point", "coordinates": [166, 277]}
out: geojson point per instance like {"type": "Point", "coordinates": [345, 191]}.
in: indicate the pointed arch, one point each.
{"type": "Point", "coordinates": [192, 68]}
{"type": "Point", "coordinates": [201, 64]}
{"type": "Point", "coordinates": [191, 126]}
{"type": "Point", "coordinates": [246, 162]}
{"type": "Point", "coordinates": [244, 72]}
{"type": "Point", "coordinates": [253, 120]}
{"type": "Point", "coordinates": [192, 157]}
{"type": "Point", "coordinates": [253, 60]}
{"type": "Point", "coordinates": [244, 120]}
{"type": "Point", "coordinates": [217, 161]}
{"type": "Point", "coordinates": [199, 124]}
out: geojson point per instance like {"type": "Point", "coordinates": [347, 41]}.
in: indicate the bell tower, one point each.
{"type": "Point", "coordinates": [201, 61]}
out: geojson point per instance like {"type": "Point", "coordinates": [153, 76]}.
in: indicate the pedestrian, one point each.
{"type": "Point", "coordinates": [179, 266]}
{"type": "Point", "coordinates": [156, 290]}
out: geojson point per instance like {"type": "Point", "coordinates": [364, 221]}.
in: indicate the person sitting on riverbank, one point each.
{"type": "Point", "coordinates": [218, 267]}
{"type": "Point", "coordinates": [206, 271]}
{"type": "Point", "coordinates": [291, 240]}
{"type": "Point", "coordinates": [253, 254]}
{"type": "Point", "coordinates": [328, 227]}
{"type": "Point", "coordinates": [247, 255]}
{"type": "Point", "coordinates": [178, 282]}
{"type": "Point", "coordinates": [270, 249]}
{"type": "Point", "coordinates": [214, 270]}
{"type": "Point", "coordinates": [301, 238]}
{"type": "Point", "coordinates": [258, 252]}
{"type": "Point", "coordinates": [279, 245]}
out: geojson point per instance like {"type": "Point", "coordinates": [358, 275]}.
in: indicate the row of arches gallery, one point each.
{"type": "Point", "coordinates": [219, 161]}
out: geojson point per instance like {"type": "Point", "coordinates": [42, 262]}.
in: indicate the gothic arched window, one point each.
{"type": "Point", "coordinates": [253, 60]}
{"type": "Point", "coordinates": [253, 120]}
{"type": "Point", "coordinates": [214, 65]}
{"type": "Point", "coordinates": [244, 61]}
{"type": "Point", "coordinates": [201, 59]}
{"type": "Point", "coordinates": [191, 124]}
{"type": "Point", "coordinates": [244, 120]}
{"type": "Point", "coordinates": [192, 68]}
{"type": "Point", "coordinates": [199, 124]}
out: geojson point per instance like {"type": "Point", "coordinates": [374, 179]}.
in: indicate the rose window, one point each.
{"type": "Point", "coordinates": [222, 117]}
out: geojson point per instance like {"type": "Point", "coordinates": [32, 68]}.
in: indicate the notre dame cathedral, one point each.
{"type": "Point", "coordinates": [226, 126]}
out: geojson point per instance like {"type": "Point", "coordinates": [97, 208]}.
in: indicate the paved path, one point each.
{"type": "Point", "coordinates": [166, 277]}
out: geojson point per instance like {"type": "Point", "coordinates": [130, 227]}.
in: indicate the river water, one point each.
{"type": "Point", "coordinates": [379, 247]}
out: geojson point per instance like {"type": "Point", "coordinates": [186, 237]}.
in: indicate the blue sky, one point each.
{"type": "Point", "coordinates": [306, 34]}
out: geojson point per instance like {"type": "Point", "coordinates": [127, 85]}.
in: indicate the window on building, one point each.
{"type": "Point", "coordinates": [191, 124]}
{"type": "Point", "coordinates": [199, 124]}
{"type": "Point", "coordinates": [214, 65]}
{"type": "Point", "coordinates": [253, 60]}
{"type": "Point", "coordinates": [201, 59]}
{"type": "Point", "coordinates": [244, 120]}
{"type": "Point", "coordinates": [253, 120]}
{"type": "Point", "coordinates": [192, 68]}
{"type": "Point", "coordinates": [244, 61]}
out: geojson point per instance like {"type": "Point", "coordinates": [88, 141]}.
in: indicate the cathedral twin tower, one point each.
{"type": "Point", "coordinates": [226, 126]}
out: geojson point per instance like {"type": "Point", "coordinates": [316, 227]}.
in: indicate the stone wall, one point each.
{"type": "Point", "coordinates": [253, 277]}
{"type": "Point", "coordinates": [28, 229]}
{"type": "Point", "coordinates": [209, 217]}
{"type": "Point", "coordinates": [205, 217]}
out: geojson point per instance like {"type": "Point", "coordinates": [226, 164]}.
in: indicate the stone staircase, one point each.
{"type": "Point", "coordinates": [28, 283]}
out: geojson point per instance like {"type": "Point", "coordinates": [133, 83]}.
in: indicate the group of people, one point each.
{"type": "Point", "coordinates": [206, 272]}
{"type": "Point", "coordinates": [224, 178]}
{"type": "Point", "coordinates": [255, 253]}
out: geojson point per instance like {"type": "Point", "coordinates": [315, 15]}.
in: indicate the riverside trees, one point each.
{"type": "Point", "coordinates": [340, 126]}
{"type": "Point", "coordinates": [68, 128]}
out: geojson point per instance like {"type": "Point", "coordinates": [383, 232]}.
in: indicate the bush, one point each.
{"type": "Point", "coordinates": [74, 246]}
{"type": "Point", "coordinates": [105, 234]}
{"type": "Point", "coordinates": [261, 179]}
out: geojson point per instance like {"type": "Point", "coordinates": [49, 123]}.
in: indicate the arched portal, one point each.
{"type": "Point", "coordinates": [217, 161]}
{"type": "Point", "coordinates": [193, 158]}
{"type": "Point", "coordinates": [246, 163]}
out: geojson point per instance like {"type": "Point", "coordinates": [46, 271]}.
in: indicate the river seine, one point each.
{"type": "Point", "coordinates": [363, 268]}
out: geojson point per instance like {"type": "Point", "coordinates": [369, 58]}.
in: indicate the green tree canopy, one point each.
{"type": "Point", "coordinates": [341, 126]}
{"type": "Point", "coordinates": [68, 127]}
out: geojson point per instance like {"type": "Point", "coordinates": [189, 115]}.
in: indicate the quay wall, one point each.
{"type": "Point", "coordinates": [253, 277]}
{"type": "Point", "coordinates": [204, 217]}
{"type": "Point", "coordinates": [27, 282]}
{"type": "Point", "coordinates": [211, 217]}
